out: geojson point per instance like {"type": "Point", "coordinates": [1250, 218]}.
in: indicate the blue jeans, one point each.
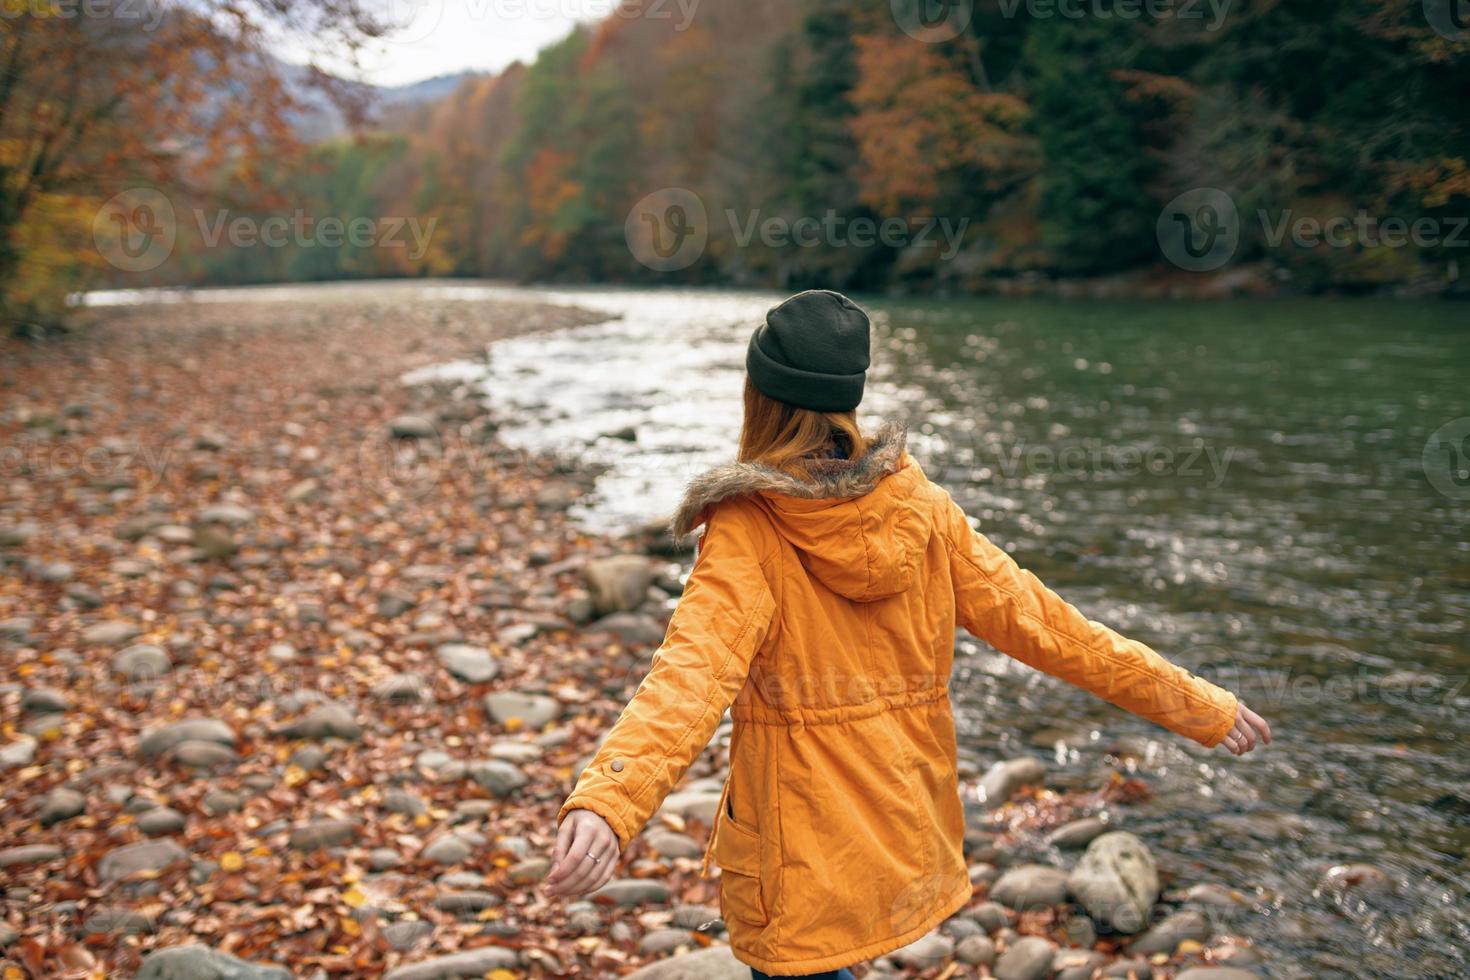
{"type": "Point", "coordinates": [842, 974]}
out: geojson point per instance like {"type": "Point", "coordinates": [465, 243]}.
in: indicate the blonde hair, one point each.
{"type": "Point", "coordinates": [788, 438]}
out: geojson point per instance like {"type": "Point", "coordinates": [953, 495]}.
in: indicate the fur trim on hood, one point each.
{"type": "Point", "coordinates": [830, 478]}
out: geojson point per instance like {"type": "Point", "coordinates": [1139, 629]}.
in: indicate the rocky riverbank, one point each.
{"type": "Point", "coordinates": [300, 662]}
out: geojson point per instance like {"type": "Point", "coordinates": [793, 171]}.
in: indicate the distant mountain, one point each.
{"type": "Point", "coordinates": [321, 117]}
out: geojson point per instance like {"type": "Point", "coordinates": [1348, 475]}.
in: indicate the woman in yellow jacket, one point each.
{"type": "Point", "coordinates": [821, 612]}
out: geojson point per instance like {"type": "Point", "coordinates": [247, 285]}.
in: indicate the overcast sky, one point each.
{"type": "Point", "coordinates": [442, 36]}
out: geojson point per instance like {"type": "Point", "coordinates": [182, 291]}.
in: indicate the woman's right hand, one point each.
{"type": "Point", "coordinates": [1249, 728]}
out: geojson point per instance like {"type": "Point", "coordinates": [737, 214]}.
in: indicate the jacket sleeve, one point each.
{"type": "Point", "coordinates": [1009, 608]}
{"type": "Point", "coordinates": [721, 621]}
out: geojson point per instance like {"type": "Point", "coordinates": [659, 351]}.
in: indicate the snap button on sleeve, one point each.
{"type": "Point", "coordinates": [617, 765]}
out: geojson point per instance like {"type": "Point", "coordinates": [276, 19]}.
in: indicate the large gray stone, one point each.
{"type": "Point", "coordinates": [195, 962]}
{"type": "Point", "coordinates": [714, 963]}
{"type": "Point", "coordinates": [1116, 881]}
{"type": "Point", "coordinates": [468, 963]}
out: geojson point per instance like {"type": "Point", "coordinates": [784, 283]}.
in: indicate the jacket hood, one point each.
{"type": "Point", "coordinates": [860, 525]}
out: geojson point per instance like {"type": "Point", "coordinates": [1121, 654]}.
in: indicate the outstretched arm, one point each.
{"type": "Point", "coordinates": [720, 622]}
{"type": "Point", "coordinates": [1014, 612]}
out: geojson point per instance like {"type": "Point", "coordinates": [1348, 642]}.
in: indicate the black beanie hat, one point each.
{"type": "Point", "coordinates": [812, 352]}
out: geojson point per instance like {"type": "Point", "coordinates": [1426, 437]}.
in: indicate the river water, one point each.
{"type": "Point", "coordinates": [1243, 485]}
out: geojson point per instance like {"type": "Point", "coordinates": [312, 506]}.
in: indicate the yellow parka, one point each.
{"type": "Point", "coordinates": [822, 614]}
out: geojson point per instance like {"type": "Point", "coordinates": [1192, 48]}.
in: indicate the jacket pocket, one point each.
{"type": "Point", "coordinates": [737, 851]}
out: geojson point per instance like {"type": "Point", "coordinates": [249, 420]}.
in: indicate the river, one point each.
{"type": "Point", "coordinates": [1248, 486]}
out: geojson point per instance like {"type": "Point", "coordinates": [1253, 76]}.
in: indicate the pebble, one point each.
{"type": "Point", "coordinates": [1003, 779]}
{"type": "Point", "coordinates": [992, 916]}
{"type": "Point", "coordinates": [323, 833]}
{"type": "Point", "coordinates": [391, 605]}
{"type": "Point", "coordinates": [198, 754]}
{"type": "Point", "coordinates": [29, 854]}
{"type": "Point", "coordinates": [630, 628]}
{"type": "Point", "coordinates": [229, 515]}
{"type": "Point", "coordinates": [405, 934]}
{"type": "Point", "coordinates": [140, 858]}
{"type": "Point", "coordinates": [1030, 886]}
{"type": "Point", "coordinates": [44, 700]}
{"type": "Point", "coordinates": [976, 951]}
{"type": "Point", "coordinates": [449, 849]}
{"type": "Point", "coordinates": [106, 919]}
{"type": "Point", "coordinates": [498, 776]}
{"type": "Point", "coordinates": [61, 804]}
{"type": "Point", "coordinates": [161, 820]}
{"type": "Point", "coordinates": [671, 844]}
{"type": "Point", "coordinates": [1116, 881]}
{"type": "Point", "coordinates": [196, 962]}
{"type": "Point", "coordinates": [1168, 934]}
{"type": "Point", "coordinates": [1361, 878]}
{"type": "Point", "coordinates": [1217, 973]}
{"type": "Point", "coordinates": [462, 902]}
{"type": "Point", "coordinates": [160, 740]}
{"type": "Point", "coordinates": [529, 871]}
{"type": "Point", "coordinates": [402, 801]}
{"type": "Point", "coordinates": [383, 858]}
{"type": "Point", "coordinates": [618, 582]}
{"type": "Point", "coordinates": [325, 721]}
{"type": "Point", "coordinates": [471, 664]}
{"type": "Point", "coordinates": [657, 942]}
{"type": "Point", "coordinates": [218, 801]}
{"type": "Point", "coordinates": [532, 711]}
{"type": "Point", "coordinates": [21, 752]}
{"type": "Point", "coordinates": [925, 952]}
{"type": "Point", "coordinates": [141, 662]}
{"type": "Point", "coordinates": [401, 688]}
{"type": "Point", "coordinates": [1076, 964]}
{"type": "Point", "coordinates": [412, 427]}
{"type": "Point", "coordinates": [1078, 833]}
{"type": "Point", "coordinates": [109, 633]}
{"type": "Point", "coordinates": [1029, 958]}
{"type": "Point", "coordinates": [633, 891]}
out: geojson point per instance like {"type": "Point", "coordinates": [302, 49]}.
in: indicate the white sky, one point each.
{"type": "Point", "coordinates": [438, 37]}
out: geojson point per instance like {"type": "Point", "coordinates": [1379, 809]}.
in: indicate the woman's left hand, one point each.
{"type": "Point", "coordinates": [586, 856]}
